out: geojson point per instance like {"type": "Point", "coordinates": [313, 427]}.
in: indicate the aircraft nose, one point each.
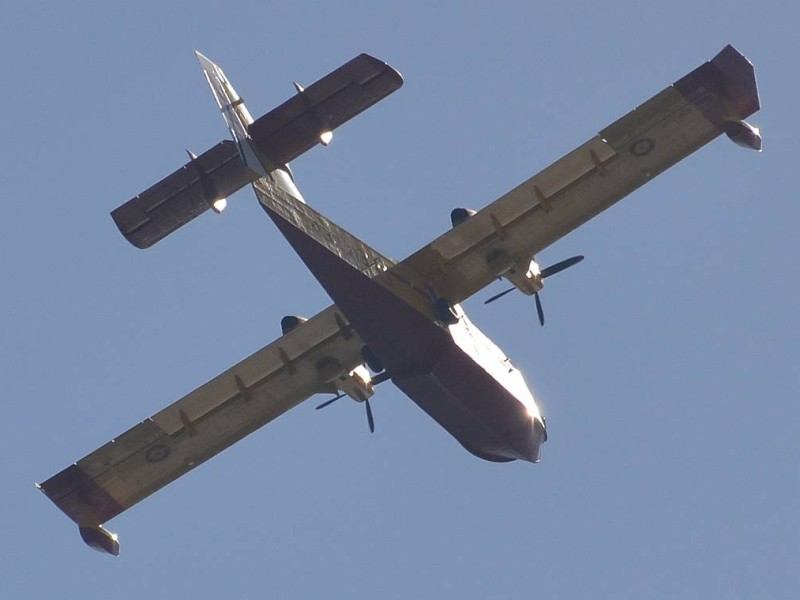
{"type": "Point", "coordinates": [526, 444]}
{"type": "Point", "coordinates": [538, 437]}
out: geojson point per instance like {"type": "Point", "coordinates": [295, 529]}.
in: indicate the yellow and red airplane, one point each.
{"type": "Point", "coordinates": [398, 321]}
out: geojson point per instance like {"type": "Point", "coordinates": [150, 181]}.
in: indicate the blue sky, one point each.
{"type": "Point", "coordinates": [667, 369]}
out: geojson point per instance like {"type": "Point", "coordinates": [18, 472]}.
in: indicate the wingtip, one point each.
{"type": "Point", "coordinates": [382, 64]}
{"type": "Point", "coordinates": [740, 76]}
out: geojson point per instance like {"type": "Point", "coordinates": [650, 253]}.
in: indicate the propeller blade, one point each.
{"type": "Point", "coordinates": [539, 309]}
{"type": "Point", "coordinates": [560, 266]}
{"type": "Point", "coordinates": [370, 420]}
{"type": "Point", "coordinates": [500, 295]}
{"type": "Point", "coordinates": [380, 378]}
{"type": "Point", "coordinates": [329, 402]}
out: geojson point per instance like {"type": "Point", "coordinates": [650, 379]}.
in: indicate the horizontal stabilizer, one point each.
{"type": "Point", "coordinates": [183, 195]}
{"type": "Point", "coordinates": [295, 126]}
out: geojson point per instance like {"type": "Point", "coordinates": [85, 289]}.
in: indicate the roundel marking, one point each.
{"type": "Point", "coordinates": [642, 147]}
{"type": "Point", "coordinates": [156, 453]}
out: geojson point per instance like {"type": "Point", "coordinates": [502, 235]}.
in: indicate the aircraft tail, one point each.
{"type": "Point", "coordinates": [262, 148]}
{"type": "Point", "coordinates": [233, 110]}
{"type": "Point", "coordinates": [307, 119]}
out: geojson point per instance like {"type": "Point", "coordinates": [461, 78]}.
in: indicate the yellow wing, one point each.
{"type": "Point", "coordinates": [628, 153]}
{"type": "Point", "coordinates": [214, 416]}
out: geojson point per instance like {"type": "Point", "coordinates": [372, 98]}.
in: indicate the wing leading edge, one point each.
{"type": "Point", "coordinates": [712, 99]}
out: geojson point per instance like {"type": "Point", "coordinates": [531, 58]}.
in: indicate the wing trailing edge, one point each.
{"type": "Point", "coordinates": [183, 195]}
{"type": "Point", "coordinates": [300, 123]}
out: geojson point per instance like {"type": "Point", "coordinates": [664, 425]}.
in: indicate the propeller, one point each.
{"type": "Point", "coordinates": [380, 378]}
{"type": "Point", "coordinates": [539, 309]}
{"type": "Point", "coordinates": [329, 402]}
{"type": "Point", "coordinates": [545, 273]}
{"type": "Point", "coordinates": [560, 266]}
{"type": "Point", "coordinates": [500, 295]}
{"type": "Point", "coordinates": [370, 418]}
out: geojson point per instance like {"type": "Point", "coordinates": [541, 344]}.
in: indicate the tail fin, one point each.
{"type": "Point", "coordinates": [235, 113]}
{"type": "Point", "coordinates": [261, 148]}
{"type": "Point", "coordinates": [308, 118]}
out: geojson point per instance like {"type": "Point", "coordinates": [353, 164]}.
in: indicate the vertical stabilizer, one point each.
{"type": "Point", "coordinates": [235, 113]}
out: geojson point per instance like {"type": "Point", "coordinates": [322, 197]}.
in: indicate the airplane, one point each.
{"type": "Point", "coordinates": [399, 321]}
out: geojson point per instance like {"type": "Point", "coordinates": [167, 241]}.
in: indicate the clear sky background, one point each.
{"type": "Point", "coordinates": [668, 368]}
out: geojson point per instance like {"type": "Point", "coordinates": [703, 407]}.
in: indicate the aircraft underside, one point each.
{"type": "Point", "coordinates": [423, 358]}
{"type": "Point", "coordinates": [400, 319]}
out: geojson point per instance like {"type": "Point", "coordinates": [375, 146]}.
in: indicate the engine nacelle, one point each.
{"type": "Point", "coordinates": [290, 322]}
{"type": "Point", "coordinates": [459, 215]}
{"type": "Point", "coordinates": [330, 370]}
{"type": "Point", "coordinates": [356, 383]}
{"type": "Point", "coordinates": [743, 134]}
{"type": "Point", "coordinates": [526, 278]}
